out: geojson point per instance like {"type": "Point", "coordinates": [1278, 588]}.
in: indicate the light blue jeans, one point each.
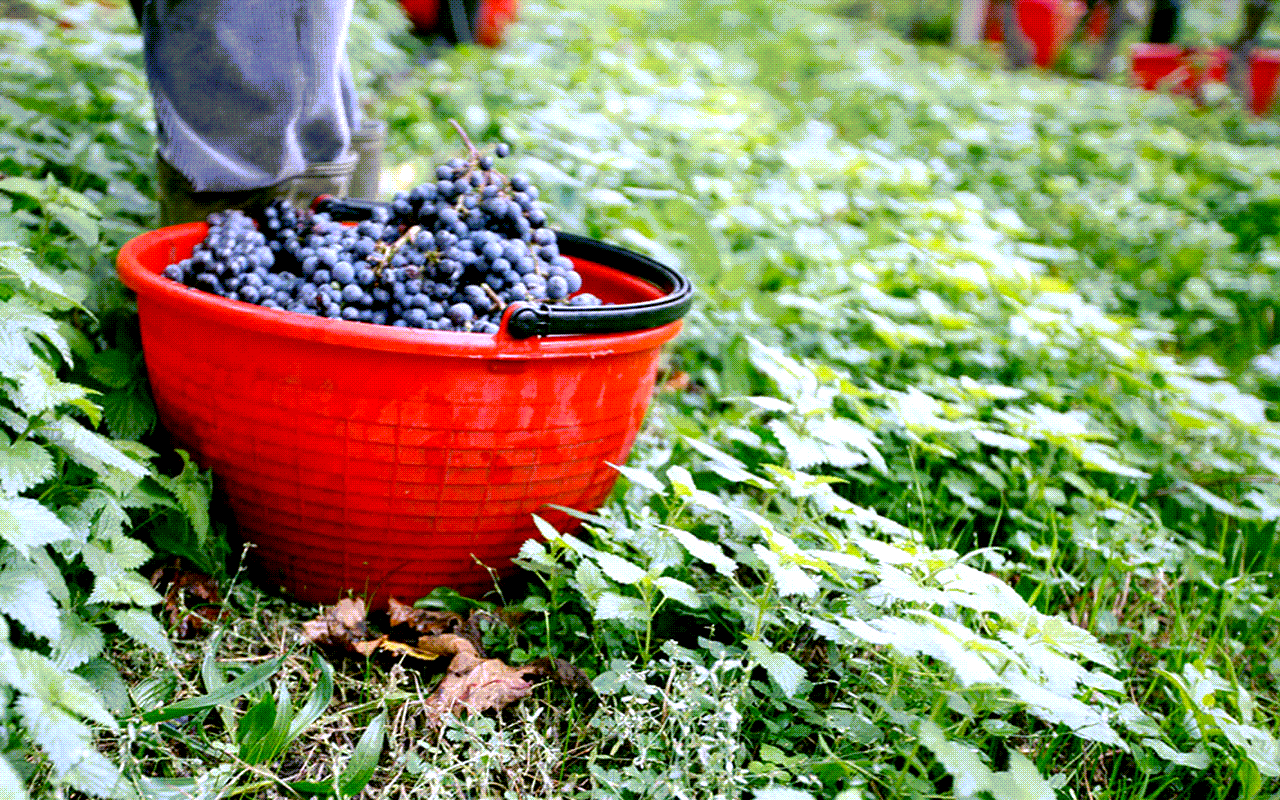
{"type": "Point", "coordinates": [249, 93]}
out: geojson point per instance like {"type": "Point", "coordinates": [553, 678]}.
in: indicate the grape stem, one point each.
{"type": "Point", "coordinates": [471, 148]}
{"type": "Point", "coordinates": [494, 296]}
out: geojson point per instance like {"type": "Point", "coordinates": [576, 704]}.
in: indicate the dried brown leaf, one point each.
{"type": "Point", "coordinates": [474, 685]}
{"type": "Point", "coordinates": [423, 620]}
{"type": "Point", "coordinates": [191, 599]}
{"type": "Point", "coordinates": [342, 625]}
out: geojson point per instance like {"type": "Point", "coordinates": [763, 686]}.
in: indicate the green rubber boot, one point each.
{"type": "Point", "coordinates": [180, 202]}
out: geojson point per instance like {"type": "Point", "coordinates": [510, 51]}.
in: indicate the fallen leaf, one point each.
{"type": "Point", "coordinates": [423, 620]}
{"type": "Point", "coordinates": [191, 599]}
{"type": "Point", "coordinates": [474, 685]}
{"type": "Point", "coordinates": [342, 625]}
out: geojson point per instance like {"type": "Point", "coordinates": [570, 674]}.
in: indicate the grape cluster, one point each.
{"type": "Point", "coordinates": [448, 255]}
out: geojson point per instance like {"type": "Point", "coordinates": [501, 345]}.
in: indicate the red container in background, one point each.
{"type": "Point", "coordinates": [387, 461]}
{"type": "Point", "coordinates": [1047, 24]}
{"type": "Point", "coordinates": [423, 14]}
{"type": "Point", "coordinates": [1264, 66]}
{"type": "Point", "coordinates": [489, 26]}
{"type": "Point", "coordinates": [1180, 70]}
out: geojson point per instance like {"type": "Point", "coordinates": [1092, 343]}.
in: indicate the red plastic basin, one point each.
{"type": "Point", "coordinates": [1264, 66]}
{"type": "Point", "coordinates": [1047, 24]}
{"type": "Point", "coordinates": [388, 461]}
{"type": "Point", "coordinates": [1181, 70]}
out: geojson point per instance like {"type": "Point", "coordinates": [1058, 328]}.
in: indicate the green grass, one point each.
{"type": "Point", "coordinates": [965, 484]}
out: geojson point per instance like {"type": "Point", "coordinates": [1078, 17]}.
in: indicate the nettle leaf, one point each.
{"type": "Point", "coordinates": [972, 776]}
{"type": "Point", "coordinates": [79, 223]}
{"type": "Point", "coordinates": [112, 367]}
{"type": "Point", "coordinates": [11, 784]}
{"type": "Point", "coordinates": [619, 569]}
{"type": "Point", "coordinates": [23, 465]}
{"type": "Point", "coordinates": [143, 628]}
{"type": "Point", "coordinates": [39, 390]}
{"type": "Point", "coordinates": [790, 579]}
{"type": "Point", "coordinates": [725, 465]}
{"type": "Point", "coordinates": [701, 549]}
{"type": "Point", "coordinates": [118, 586]}
{"type": "Point", "coordinates": [13, 259]}
{"type": "Point", "coordinates": [90, 449]}
{"type": "Point", "coordinates": [611, 605]}
{"type": "Point", "coordinates": [25, 524]}
{"type": "Point", "coordinates": [25, 598]}
{"type": "Point", "coordinates": [641, 477]}
{"type": "Point", "coordinates": [784, 671]}
{"type": "Point", "coordinates": [78, 643]}
{"type": "Point", "coordinates": [193, 491]}
{"type": "Point", "coordinates": [679, 591]}
{"type": "Point", "coordinates": [65, 739]}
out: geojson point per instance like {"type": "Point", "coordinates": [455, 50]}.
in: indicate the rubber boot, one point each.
{"type": "Point", "coordinates": [368, 144]}
{"type": "Point", "coordinates": [180, 202]}
{"type": "Point", "coordinates": [330, 177]}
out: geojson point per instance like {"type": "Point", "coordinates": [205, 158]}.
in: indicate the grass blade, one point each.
{"type": "Point", "coordinates": [365, 758]}
{"type": "Point", "coordinates": [317, 701]}
{"type": "Point", "coordinates": [243, 684]}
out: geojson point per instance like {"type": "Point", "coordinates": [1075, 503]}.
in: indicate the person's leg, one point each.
{"type": "Point", "coordinates": [180, 202]}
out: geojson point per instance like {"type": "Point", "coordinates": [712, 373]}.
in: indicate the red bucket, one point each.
{"type": "Point", "coordinates": [1263, 68]}
{"type": "Point", "coordinates": [1047, 24]}
{"type": "Point", "coordinates": [388, 461]}
{"type": "Point", "coordinates": [1180, 69]}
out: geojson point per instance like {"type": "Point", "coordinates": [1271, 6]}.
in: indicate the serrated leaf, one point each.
{"type": "Point", "coordinates": [112, 367]}
{"type": "Point", "coordinates": [25, 598]}
{"type": "Point", "coordinates": [26, 524]}
{"type": "Point", "coordinates": [11, 784]}
{"type": "Point", "coordinates": [81, 225]}
{"type": "Point", "coordinates": [619, 569]}
{"type": "Point", "coordinates": [610, 605]}
{"type": "Point", "coordinates": [703, 550]}
{"type": "Point", "coordinates": [679, 591]}
{"type": "Point", "coordinates": [641, 477]}
{"type": "Point", "coordinates": [786, 673]}
{"type": "Point", "coordinates": [789, 579]}
{"type": "Point", "coordinates": [129, 415]}
{"type": "Point", "coordinates": [90, 449]}
{"type": "Point", "coordinates": [143, 628]}
{"type": "Point", "coordinates": [78, 642]}
{"type": "Point", "coordinates": [105, 679]}
{"type": "Point", "coordinates": [129, 553]}
{"type": "Point", "coordinates": [96, 775]}
{"type": "Point", "coordinates": [23, 465]}
{"type": "Point", "coordinates": [65, 739]}
{"type": "Point", "coordinates": [725, 465]}
{"type": "Point", "coordinates": [119, 586]}
{"type": "Point", "coordinates": [14, 259]}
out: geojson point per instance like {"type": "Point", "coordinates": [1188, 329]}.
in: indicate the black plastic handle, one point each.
{"type": "Point", "coordinates": [541, 319]}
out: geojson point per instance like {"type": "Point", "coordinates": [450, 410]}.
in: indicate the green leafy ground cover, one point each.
{"type": "Point", "coordinates": [965, 482]}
